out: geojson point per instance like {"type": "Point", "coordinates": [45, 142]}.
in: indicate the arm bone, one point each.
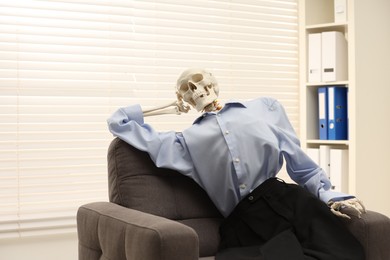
{"type": "Point", "coordinates": [175, 107]}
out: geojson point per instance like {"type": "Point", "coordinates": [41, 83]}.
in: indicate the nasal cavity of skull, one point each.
{"type": "Point", "coordinates": [192, 86]}
{"type": "Point", "coordinates": [207, 87]}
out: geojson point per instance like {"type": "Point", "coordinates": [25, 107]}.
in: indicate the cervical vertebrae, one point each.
{"type": "Point", "coordinates": [199, 88]}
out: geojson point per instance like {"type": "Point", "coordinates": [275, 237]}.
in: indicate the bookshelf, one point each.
{"type": "Point", "coordinates": [366, 30]}
{"type": "Point", "coordinates": [318, 17]}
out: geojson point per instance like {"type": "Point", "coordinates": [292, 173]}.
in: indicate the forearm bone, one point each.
{"type": "Point", "coordinates": [175, 107]}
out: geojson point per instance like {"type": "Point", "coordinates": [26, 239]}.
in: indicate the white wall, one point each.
{"type": "Point", "coordinates": [53, 247]}
{"type": "Point", "coordinates": [372, 22]}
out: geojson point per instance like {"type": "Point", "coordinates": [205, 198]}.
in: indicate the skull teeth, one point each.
{"type": "Point", "coordinates": [197, 96]}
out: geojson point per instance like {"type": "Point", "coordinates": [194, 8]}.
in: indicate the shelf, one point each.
{"type": "Point", "coordinates": [329, 142]}
{"type": "Point", "coordinates": [327, 27]}
{"type": "Point", "coordinates": [331, 26]}
{"type": "Point", "coordinates": [313, 84]}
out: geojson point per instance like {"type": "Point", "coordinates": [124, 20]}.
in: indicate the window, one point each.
{"type": "Point", "coordinates": [67, 65]}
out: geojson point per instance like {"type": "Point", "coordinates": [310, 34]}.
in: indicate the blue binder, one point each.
{"type": "Point", "coordinates": [323, 113]}
{"type": "Point", "coordinates": [337, 113]}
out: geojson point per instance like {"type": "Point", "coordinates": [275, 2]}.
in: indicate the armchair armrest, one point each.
{"type": "Point", "coordinates": [372, 230]}
{"type": "Point", "coordinates": [115, 232]}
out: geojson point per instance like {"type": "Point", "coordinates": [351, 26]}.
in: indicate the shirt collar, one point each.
{"type": "Point", "coordinates": [230, 104]}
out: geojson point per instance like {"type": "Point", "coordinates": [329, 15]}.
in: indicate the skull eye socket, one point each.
{"type": "Point", "coordinates": [197, 77]}
{"type": "Point", "coordinates": [184, 87]}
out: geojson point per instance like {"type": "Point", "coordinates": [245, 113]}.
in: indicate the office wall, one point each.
{"type": "Point", "coordinates": [372, 22]}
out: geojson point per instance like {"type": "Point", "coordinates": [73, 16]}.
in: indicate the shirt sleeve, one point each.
{"type": "Point", "coordinates": [304, 171]}
{"type": "Point", "coordinates": [300, 167]}
{"type": "Point", "coordinates": [166, 149]}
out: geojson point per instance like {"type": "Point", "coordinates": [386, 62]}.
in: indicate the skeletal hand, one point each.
{"type": "Point", "coordinates": [354, 204]}
{"type": "Point", "coordinates": [182, 107]}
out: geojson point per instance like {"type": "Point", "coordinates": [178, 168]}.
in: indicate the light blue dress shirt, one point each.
{"type": "Point", "coordinates": [228, 153]}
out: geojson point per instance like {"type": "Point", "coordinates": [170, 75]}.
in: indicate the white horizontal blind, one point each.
{"type": "Point", "coordinates": [67, 65]}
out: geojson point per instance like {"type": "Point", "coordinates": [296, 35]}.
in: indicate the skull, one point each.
{"type": "Point", "coordinates": [197, 87]}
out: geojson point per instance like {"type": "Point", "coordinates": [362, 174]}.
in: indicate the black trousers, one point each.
{"type": "Point", "coordinates": [280, 221]}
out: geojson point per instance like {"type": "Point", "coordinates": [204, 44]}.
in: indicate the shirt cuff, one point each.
{"type": "Point", "coordinates": [134, 113]}
{"type": "Point", "coordinates": [329, 195]}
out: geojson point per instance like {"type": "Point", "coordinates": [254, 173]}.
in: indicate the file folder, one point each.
{"type": "Point", "coordinates": [325, 158]}
{"type": "Point", "coordinates": [323, 113]}
{"type": "Point", "coordinates": [337, 113]}
{"type": "Point", "coordinates": [314, 154]}
{"type": "Point", "coordinates": [334, 56]}
{"type": "Point", "coordinates": [314, 57]}
{"type": "Point", "coordinates": [339, 169]}
{"type": "Point", "coordinates": [340, 11]}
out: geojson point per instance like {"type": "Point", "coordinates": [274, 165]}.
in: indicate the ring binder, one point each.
{"type": "Point", "coordinates": [323, 113]}
{"type": "Point", "coordinates": [337, 113]}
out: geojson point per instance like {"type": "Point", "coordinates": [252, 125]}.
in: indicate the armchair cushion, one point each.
{"type": "Point", "coordinates": [135, 182]}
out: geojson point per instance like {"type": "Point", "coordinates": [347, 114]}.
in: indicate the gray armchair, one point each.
{"type": "Point", "coordinates": [159, 214]}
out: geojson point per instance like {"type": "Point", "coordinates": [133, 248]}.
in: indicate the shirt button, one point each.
{"type": "Point", "coordinates": [218, 114]}
{"type": "Point", "coordinates": [227, 132]}
{"type": "Point", "coordinates": [237, 160]}
{"type": "Point", "coordinates": [250, 198]}
{"type": "Point", "coordinates": [242, 186]}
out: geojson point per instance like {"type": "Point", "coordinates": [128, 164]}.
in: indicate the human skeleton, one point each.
{"type": "Point", "coordinates": [199, 89]}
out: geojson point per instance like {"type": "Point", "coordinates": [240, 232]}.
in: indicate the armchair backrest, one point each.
{"type": "Point", "coordinates": [135, 182]}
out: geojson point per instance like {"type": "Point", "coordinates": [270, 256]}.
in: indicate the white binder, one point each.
{"type": "Point", "coordinates": [339, 169]}
{"type": "Point", "coordinates": [314, 154]}
{"type": "Point", "coordinates": [334, 57]}
{"type": "Point", "coordinates": [325, 159]}
{"type": "Point", "coordinates": [340, 11]}
{"type": "Point", "coordinates": [314, 57]}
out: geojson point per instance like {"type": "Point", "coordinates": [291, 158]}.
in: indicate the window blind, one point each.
{"type": "Point", "coordinates": [67, 65]}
